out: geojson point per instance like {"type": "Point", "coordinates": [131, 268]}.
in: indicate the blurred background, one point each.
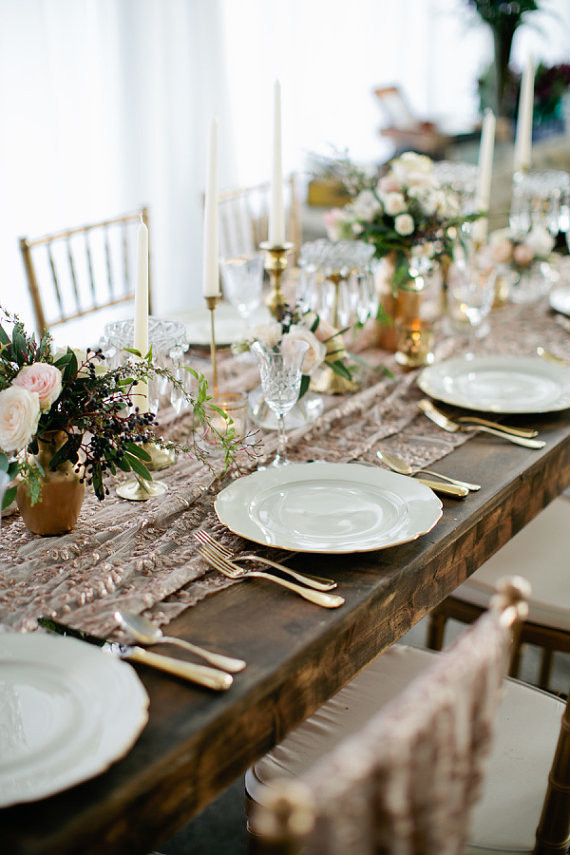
{"type": "Point", "coordinates": [106, 104]}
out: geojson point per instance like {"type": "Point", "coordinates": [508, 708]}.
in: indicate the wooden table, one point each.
{"type": "Point", "coordinates": [197, 741]}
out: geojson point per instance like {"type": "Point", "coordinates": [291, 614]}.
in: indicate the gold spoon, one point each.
{"type": "Point", "coordinates": [398, 465]}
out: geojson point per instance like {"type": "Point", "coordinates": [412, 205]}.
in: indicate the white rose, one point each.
{"type": "Point", "coordinates": [412, 169]}
{"type": "Point", "coordinates": [19, 416]}
{"type": "Point", "coordinates": [540, 241]}
{"type": "Point", "coordinates": [268, 334]}
{"type": "Point", "coordinates": [316, 349]}
{"type": "Point", "coordinates": [394, 203]}
{"type": "Point", "coordinates": [404, 225]}
{"type": "Point", "coordinates": [365, 206]}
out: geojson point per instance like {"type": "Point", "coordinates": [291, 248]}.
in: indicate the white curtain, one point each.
{"type": "Point", "coordinates": [106, 104]}
{"type": "Point", "coordinates": [331, 54]}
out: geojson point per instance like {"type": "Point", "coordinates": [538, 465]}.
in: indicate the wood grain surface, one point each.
{"type": "Point", "coordinates": [197, 742]}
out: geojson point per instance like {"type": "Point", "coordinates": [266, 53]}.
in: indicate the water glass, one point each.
{"type": "Point", "coordinates": [470, 296]}
{"type": "Point", "coordinates": [280, 370]}
{"type": "Point", "coordinates": [242, 282]}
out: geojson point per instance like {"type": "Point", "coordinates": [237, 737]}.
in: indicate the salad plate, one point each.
{"type": "Point", "coordinates": [67, 711]}
{"type": "Point", "coordinates": [328, 507]}
{"type": "Point", "coordinates": [499, 384]}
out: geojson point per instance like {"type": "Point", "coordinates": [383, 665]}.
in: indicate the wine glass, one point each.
{"type": "Point", "coordinates": [280, 370]}
{"type": "Point", "coordinates": [242, 280]}
{"type": "Point", "coordinates": [471, 292]}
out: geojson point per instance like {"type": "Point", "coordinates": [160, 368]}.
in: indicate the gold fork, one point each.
{"type": "Point", "coordinates": [318, 583]}
{"type": "Point", "coordinates": [228, 568]}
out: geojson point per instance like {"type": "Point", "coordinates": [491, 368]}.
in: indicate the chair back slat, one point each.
{"type": "Point", "coordinates": [108, 264]}
{"type": "Point", "coordinates": [553, 832]}
{"type": "Point", "coordinates": [89, 260]}
{"type": "Point", "coordinates": [55, 280]}
{"type": "Point", "coordinates": [86, 268]}
{"type": "Point", "coordinates": [72, 273]}
{"type": "Point", "coordinates": [244, 218]}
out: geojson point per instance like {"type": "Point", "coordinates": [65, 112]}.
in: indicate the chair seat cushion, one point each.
{"type": "Point", "coordinates": [515, 782]}
{"type": "Point", "coordinates": [539, 552]}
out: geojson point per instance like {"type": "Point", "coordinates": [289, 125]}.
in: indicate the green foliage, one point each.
{"type": "Point", "coordinates": [97, 412]}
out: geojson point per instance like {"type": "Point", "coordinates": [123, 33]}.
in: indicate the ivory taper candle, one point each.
{"type": "Point", "coordinates": [276, 210]}
{"type": "Point", "coordinates": [140, 340]}
{"type": "Point", "coordinates": [523, 139]}
{"type": "Point", "coordinates": [484, 175]}
{"type": "Point", "coordinates": [211, 281]}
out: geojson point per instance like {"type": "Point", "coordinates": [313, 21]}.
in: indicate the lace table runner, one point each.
{"type": "Point", "coordinates": [141, 557]}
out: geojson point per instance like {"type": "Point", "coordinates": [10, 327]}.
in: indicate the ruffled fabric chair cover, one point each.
{"type": "Point", "coordinates": [406, 782]}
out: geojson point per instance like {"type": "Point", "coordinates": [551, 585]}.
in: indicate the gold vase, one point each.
{"type": "Point", "coordinates": [62, 492]}
{"type": "Point", "coordinates": [401, 304]}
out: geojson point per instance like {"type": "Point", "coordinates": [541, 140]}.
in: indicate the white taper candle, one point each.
{"type": "Point", "coordinates": [211, 281]}
{"type": "Point", "coordinates": [140, 340]}
{"type": "Point", "coordinates": [276, 211]}
{"type": "Point", "coordinates": [484, 175]}
{"type": "Point", "coordinates": [523, 139]}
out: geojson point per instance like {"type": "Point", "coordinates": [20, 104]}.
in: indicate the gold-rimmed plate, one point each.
{"type": "Point", "coordinates": [328, 507]}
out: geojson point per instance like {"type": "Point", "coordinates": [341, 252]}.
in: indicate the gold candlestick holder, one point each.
{"type": "Point", "coordinates": [211, 303]}
{"type": "Point", "coordinates": [275, 264]}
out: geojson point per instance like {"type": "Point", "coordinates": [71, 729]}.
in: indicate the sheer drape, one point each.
{"type": "Point", "coordinates": [105, 104]}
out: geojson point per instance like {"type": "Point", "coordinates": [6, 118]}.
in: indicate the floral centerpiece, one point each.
{"type": "Point", "coordinates": [67, 412]}
{"type": "Point", "coordinates": [404, 214]}
{"type": "Point", "coordinates": [523, 261]}
{"type": "Point", "coordinates": [325, 345]}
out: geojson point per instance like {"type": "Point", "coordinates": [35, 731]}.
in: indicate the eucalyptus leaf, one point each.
{"type": "Point", "coordinates": [9, 497]}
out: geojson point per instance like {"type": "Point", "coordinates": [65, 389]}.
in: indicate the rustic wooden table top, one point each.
{"type": "Point", "coordinates": [197, 742]}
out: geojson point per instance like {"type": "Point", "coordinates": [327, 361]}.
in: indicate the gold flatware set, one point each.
{"type": "Point", "coordinates": [217, 559]}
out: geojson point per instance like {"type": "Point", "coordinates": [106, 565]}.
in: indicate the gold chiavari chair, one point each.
{"type": "Point", "coordinates": [540, 553]}
{"type": "Point", "coordinates": [395, 762]}
{"type": "Point", "coordinates": [244, 217]}
{"type": "Point", "coordinates": [76, 272]}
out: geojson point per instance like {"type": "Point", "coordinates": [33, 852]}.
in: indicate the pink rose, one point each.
{"type": "Point", "coordinates": [334, 221]}
{"type": "Point", "coordinates": [502, 251]}
{"type": "Point", "coordinates": [43, 378]}
{"type": "Point", "coordinates": [388, 184]}
{"type": "Point", "coordinates": [523, 255]}
{"type": "Point", "coordinates": [19, 416]}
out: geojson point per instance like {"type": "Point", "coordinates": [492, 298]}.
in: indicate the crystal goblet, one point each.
{"type": "Point", "coordinates": [242, 280]}
{"type": "Point", "coordinates": [471, 292]}
{"type": "Point", "coordinates": [280, 368]}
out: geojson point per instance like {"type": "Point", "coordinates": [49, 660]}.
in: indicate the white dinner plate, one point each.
{"type": "Point", "coordinates": [67, 711]}
{"type": "Point", "coordinates": [499, 384]}
{"type": "Point", "coordinates": [560, 299]}
{"type": "Point", "coordinates": [229, 326]}
{"type": "Point", "coordinates": [328, 507]}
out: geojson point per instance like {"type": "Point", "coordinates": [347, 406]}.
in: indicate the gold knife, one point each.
{"type": "Point", "coordinates": [444, 489]}
{"type": "Point", "coordinates": [201, 674]}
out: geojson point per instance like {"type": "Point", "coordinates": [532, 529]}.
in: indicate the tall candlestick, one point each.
{"type": "Point", "coordinates": [276, 211]}
{"type": "Point", "coordinates": [140, 341]}
{"type": "Point", "coordinates": [523, 140]}
{"type": "Point", "coordinates": [485, 172]}
{"type": "Point", "coordinates": [211, 281]}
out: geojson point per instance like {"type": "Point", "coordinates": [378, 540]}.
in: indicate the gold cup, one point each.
{"type": "Point", "coordinates": [415, 342]}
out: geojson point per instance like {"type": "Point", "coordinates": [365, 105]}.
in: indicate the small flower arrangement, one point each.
{"type": "Point", "coordinates": [519, 253]}
{"type": "Point", "coordinates": [73, 394]}
{"type": "Point", "coordinates": [406, 208]}
{"type": "Point", "coordinates": [325, 346]}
